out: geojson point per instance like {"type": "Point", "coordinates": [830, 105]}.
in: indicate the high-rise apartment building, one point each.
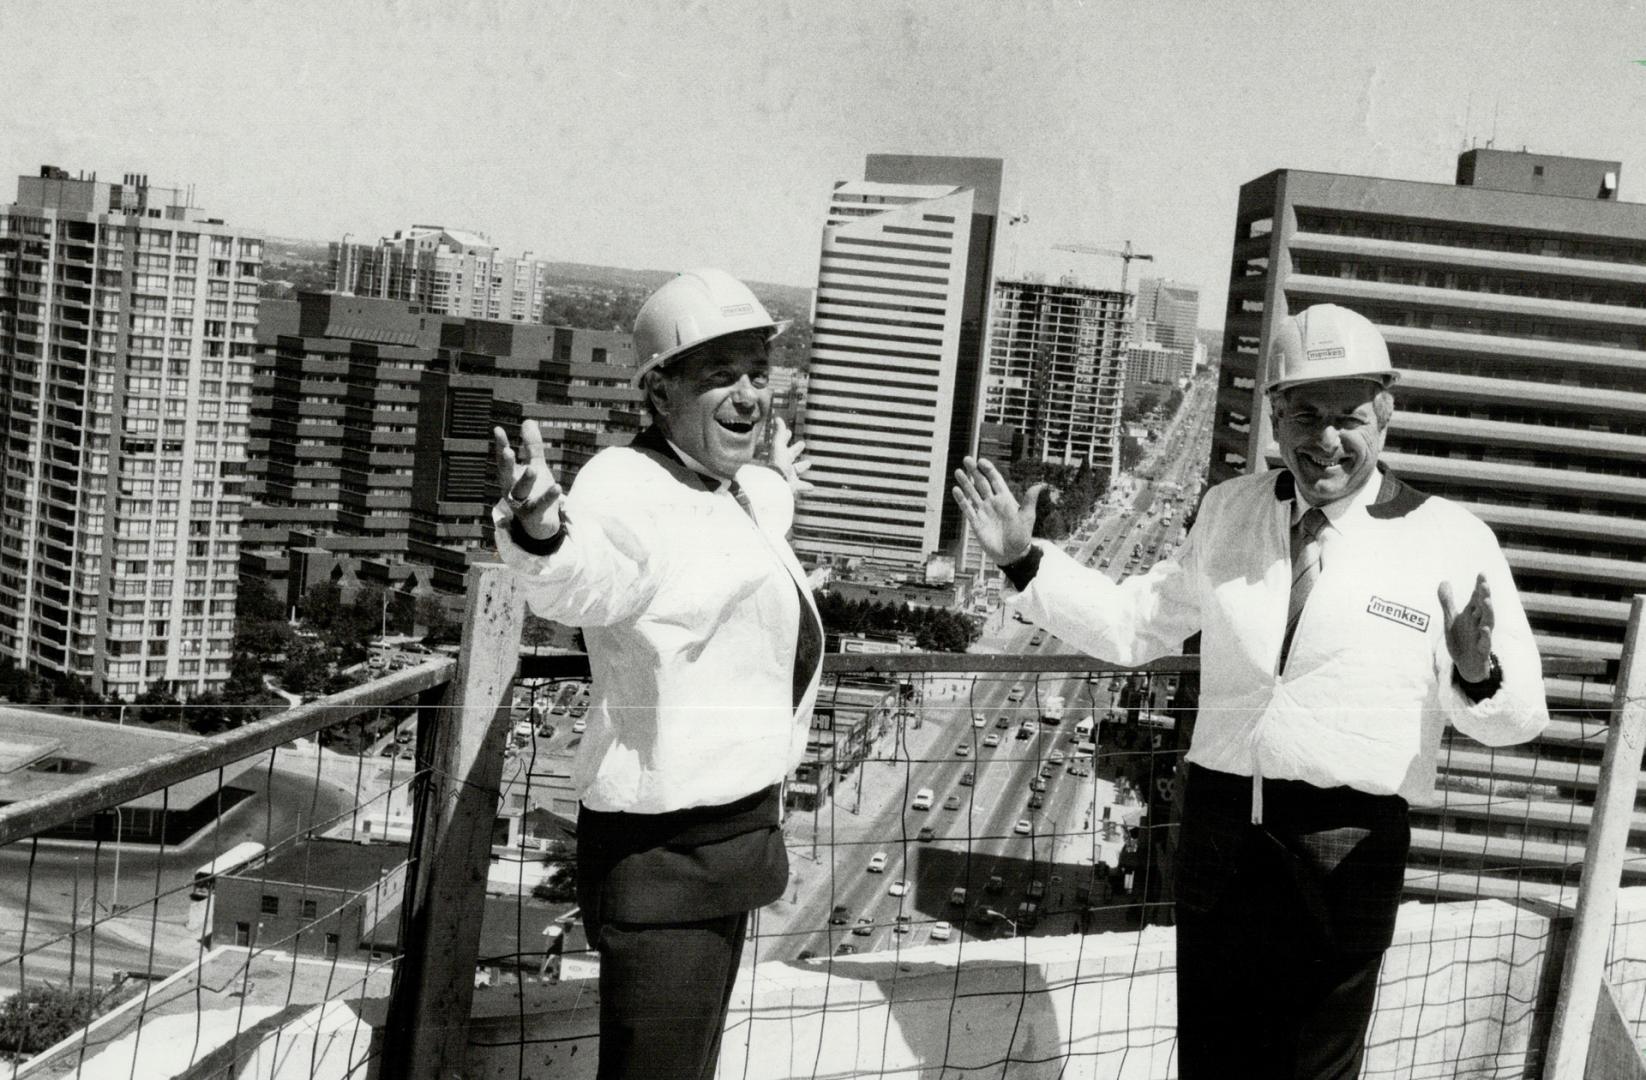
{"type": "Point", "coordinates": [1514, 305]}
{"type": "Point", "coordinates": [1150, 362]}
{"type": "Point", "coordinates": [1173, 309]}
{"type": "Point", "coordinates": [1055, 370]}
{"type": "Point", "coordinates": [897, 357]}
{"type": "Point", "coordinates": [127, 324]}
{"type": "Point", "coordinates": [365, 420]}
{"type": "Point", "coordinates": [448, 271]}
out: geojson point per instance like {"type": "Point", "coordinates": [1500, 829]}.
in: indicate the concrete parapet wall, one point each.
{"type": "Point", "coordinates": [1460, 994]}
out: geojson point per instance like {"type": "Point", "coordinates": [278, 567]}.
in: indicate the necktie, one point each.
{"type": "Point", "coordinates": [742, 498]}
{"type": "Point", "coordinates": [809, 639]}
{"type": "Point", "coordinates": [1305, 571]}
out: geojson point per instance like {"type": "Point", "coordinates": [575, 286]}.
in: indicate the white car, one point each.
{"type": "Point", "coordinates": [877, 863]}
{"type": "Point", "coordinates": [897, 888]}
{"type": "Point", "coordinates": [991, 740]}
{"type": "Point", "coordinates": [963, 750]}
{"type": "Point", "coordinates": [1023, 827]}
{"type": "Point", "coordinates": [580, 726]}
{"type": "Point", "coordinates": [941, 931]}
{"type": "Point", "coordinates": [979, 720]}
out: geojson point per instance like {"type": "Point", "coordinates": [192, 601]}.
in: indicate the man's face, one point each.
{"type": "Point", "coordinates": [714, 401]}
{"type": "Point", "coordinates": [1329, 436]}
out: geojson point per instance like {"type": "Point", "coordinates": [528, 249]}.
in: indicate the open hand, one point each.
{"type": "Point", "coordinates": [528, 484]}
{"type": "Point", "coordinates": [1469, 632]}
{"type": "Point", "coordinates": [1002, 526]}
{"type": "Point", "coordinates": [786, 457]}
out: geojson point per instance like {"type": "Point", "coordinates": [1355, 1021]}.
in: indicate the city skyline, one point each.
{"type": "Point", "coordinates": [610, 137]}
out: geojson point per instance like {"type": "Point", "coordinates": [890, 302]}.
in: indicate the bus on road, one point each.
{"type": "Point", "coordinates": [235, 858]}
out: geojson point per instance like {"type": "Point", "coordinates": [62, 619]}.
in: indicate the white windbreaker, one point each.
{"type": "Point", "coordinates": [690, 612]}
{"type": "Point", "coordinates": [1368, 685]}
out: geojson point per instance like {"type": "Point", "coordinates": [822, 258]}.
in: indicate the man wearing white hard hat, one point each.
{"type": "Point", "coordinates": [1333, 653]}
{"type": "Point", "coordinates": [705, 646]}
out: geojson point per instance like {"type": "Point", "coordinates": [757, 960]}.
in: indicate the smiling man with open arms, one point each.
{"type": "Point", "coordinates": [1333, 655]}
{"type": "Point", "coordinates": [671, 554]}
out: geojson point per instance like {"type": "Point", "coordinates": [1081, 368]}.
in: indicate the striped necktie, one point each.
{"type": "Point", "coordinates": [1305, 571]}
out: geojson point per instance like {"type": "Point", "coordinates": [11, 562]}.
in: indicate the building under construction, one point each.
{"type": "Point", "coordinates": [1055, 369]}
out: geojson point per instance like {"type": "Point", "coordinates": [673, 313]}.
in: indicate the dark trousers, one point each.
{"type": "Point", "coordinates": [664, 991]}
{"type": "Point", "coordinates": [1281, 927]}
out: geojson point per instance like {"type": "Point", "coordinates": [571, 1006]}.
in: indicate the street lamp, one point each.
{"type": "Point", "coordinates": [993, 914]}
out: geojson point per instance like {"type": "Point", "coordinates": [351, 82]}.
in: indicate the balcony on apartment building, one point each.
{"type": "Point", "coordinates": [360, 885]}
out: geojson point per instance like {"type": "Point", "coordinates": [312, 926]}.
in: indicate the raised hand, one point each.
{"type": "Point", "coordinates": [528, 484]}
{"type": "Point", "coordinates": [1469, 632]}
{"type": "Point", "coordinates": [1002, 526]}
{"type": "Point", "coordinates": [786, 457]}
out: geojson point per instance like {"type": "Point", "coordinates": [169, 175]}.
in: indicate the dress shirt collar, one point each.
{"type": "Point", "coordinates": [1347, 511]}
{"type": "Point", "coordinates": [712, 482]}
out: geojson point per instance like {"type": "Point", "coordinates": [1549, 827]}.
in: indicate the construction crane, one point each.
{"type": "Point", "coordinates": [1125, 255]}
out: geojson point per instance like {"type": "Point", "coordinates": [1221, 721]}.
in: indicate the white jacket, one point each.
{"type": "Point", "coordinates": [1368, 685]}
{"type": "Point", "coordinates": [690, 612]}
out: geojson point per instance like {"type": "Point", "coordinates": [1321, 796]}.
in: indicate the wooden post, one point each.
{"type": "Point", "coordinates": [428, 1023]}
{"type": "Point", "coordinates": [1584, 975]}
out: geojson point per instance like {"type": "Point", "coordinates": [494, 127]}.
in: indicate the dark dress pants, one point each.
{"type": "Point", "coordinates": [664, 991]}
{"type": "Point", "coordinates": [1281, 927]}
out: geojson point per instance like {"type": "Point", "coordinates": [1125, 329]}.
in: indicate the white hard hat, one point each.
{"type": "Point", "coordinates": [694, 307]}
{"type": "Point", "coordinates": [1327, 342]}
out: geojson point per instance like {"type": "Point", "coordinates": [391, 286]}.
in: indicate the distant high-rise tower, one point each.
{"type": "Point", "coordinates": [1513, 306]}
{"type": "Point", "coordinates": [1174, 309]}
{"type": "Point", "coordinates": [445, 271]}
{"type": "Point", "coordinates": [1055, 370]}
{"type": "Point", "coordinates": [897, 357]}
{"type": "Point", "coordinates": [127, 323]}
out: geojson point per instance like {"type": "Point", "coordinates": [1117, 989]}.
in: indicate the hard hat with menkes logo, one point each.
{"type": "Point", "coordinates": [1327, 342]}
{"type": "Point", "coordinates": [693, 307]}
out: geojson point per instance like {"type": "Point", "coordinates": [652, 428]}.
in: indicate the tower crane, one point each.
{"type": "Point", "coordinates": [1125, 255]}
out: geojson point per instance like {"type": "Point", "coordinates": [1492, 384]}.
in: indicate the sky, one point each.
{"type": "Point", "coordinates": [678, 133]}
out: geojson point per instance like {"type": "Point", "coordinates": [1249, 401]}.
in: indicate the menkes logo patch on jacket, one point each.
{"type": "Point", "coordinates": [1398, 613]}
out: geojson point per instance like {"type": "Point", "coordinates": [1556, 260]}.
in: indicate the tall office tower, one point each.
{"type": "Point", "coordinates": [127, 323]}
{"type": "Point", "coordinates": [448, 271]}
{"type": "Point", "coordinates": [1149, 362]}
{"type": "Point", "coordinates": [1174, 309]}
{"type": "Point", "coordinates": [897, 357]}
{"type": "Point", "coordinates": [1513, 306]}
{"type": "Point", "coordinates": [341, 424]}
{"type": "Point", "coordinates": [1055, 370]}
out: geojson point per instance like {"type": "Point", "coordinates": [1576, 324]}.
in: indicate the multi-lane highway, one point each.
{"type": "Point", "coordinates": [981, 833]}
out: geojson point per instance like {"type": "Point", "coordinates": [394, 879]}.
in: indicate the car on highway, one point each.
{"type": "Point", "coordinates": [1077, 769]}
{"type": "Point", "coordinates": [1003, 723]}
{"type": "Point", "coordinates": [839, 916]}
{"type": "Point", "coordinates": [864, 927]}
{"type": "Point", "coordinates": [922, 799]}
{"type": "Point", "coordinates": [903, 925]}
{"type": "Point", "coordinates": [1037, 785]}
{"type": "Point", "coordinates": [991, 740]}
{"type": "Point", "coordinates": [941, 930]}
{"type": "Point", "coordinates": [979, 720]}
{"type": "Point", "coordinates": [963, 750]}
{"type": "Point", "coordinates": [957, 896]}
{"type": "Point", "coordinates": [926, 834]}
{"type": "Point", "coordinates": [1055, 757]}
{"type": "Point", "coordinates": [1037, 889]}
{"type": "Point", "coordinates": [1047, 771]}
{"type": "Point", "coordinates": [845, 948]}
{"type": "Point", "coordinates": [1039, 636]}
{"type": "Point", "coordinates": [968, 778]}
{"type": "Point", "coordinates": [1016, 694]}
{"type": "Point", "coordinates": [995, 884]}
{"type": "Point", "coordinates": [897, 888]}
{"type": "Point", "coordinates": [579, 726]}
{"type": "Point", "coordinates": [877, 863]}
{"type": "Point", "coordinates": [1036, 801]}
{"type": "Point", "coordinates": [952, 803]}
{"type": "Point", "coordinates": [1023, 827]}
